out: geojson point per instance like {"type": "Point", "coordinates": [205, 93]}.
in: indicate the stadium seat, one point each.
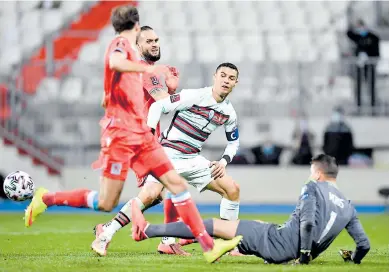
{"type": "Point", "coordinates": [8, 7]}
{"type": "Point", "coordinates": [48, 90]}
{"type": "Point", "coordinates": [70, 8]}
{"type": "Point", "coordinates": [10, 57]}
{"type": "Point", "coordinates": [31, 41]}
{"type": "Point", "coordinates": [90, 53]}
{"type": "Point", "coordinates": [52, 20]}
{"type": "Point", "coordinates": [93, 92]}
{"type": "Point", "coordinates": [178, 22]}
{"type": "Point", "coordinates": [183, 49]}
{"type": "Point", "coordinates": [89, 130]}
{"type": "Point", "coordinates": [71, 90]}
{"type": "Point", "coordinates": [31, 20]}
{"type": "Point", "coordinates": [25, 6]}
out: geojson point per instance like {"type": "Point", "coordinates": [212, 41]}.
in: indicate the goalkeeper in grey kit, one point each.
{"type": "Point", "coordinates": [321, 214]}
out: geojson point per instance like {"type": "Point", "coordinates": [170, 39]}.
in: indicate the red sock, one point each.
{"type": "Point", "coordinates": [76, 198]}
{"type": "Point", "coordinates": [171, 214]}
{"type": "Point", "coordinates": [190, 215]}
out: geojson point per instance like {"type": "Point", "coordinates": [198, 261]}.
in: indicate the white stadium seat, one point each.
{"type": "Point", "coordinates": [31, 20]}
{"type": "Point", "coordinates": [71, 90]}
{"type": "Point", "coordinates": [25, 6]}
{"type": "Point", "coordinates": [48, 90]}
{"type": "Point", "coordinates": [90, 53]}
{"type": "Point", "coordinates": [52, 20]}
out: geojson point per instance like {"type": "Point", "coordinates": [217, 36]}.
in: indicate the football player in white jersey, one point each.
{"type": "Point", "coordinates": [198, 112]}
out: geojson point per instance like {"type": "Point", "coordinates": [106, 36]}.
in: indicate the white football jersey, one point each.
{"type": "Point", "coordinates": [197, 116]}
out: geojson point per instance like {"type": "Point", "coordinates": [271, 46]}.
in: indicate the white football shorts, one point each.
{"type": "Point", "coordinates": [196, 170]}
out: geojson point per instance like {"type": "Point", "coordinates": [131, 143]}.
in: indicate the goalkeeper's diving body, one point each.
{"type": "Point", "coordinates": [321, 214]}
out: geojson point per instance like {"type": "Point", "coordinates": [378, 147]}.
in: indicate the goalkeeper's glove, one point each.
{"type": "Point", "coordinates": [346, 255]}
{"type": "Point", "coordinates": [305, 257]}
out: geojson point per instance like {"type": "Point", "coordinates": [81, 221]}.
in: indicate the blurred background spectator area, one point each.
{"type": "Point", "coordinates": [299, 61]}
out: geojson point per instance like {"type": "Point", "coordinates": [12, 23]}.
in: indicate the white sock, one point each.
{"type": "Point", "coordinates": [92, 200]}
{"type": "Point", "coordinates": [229, 210]}
{"type": "Point", "coordinates": [122, 219]}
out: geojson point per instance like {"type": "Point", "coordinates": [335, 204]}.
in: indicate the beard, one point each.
{"type": "Point", "coordinates": [150, 58]}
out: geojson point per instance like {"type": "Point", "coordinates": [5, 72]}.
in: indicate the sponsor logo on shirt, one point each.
{"type": "Point", "coordinates": [336, 200]}
{"type": "Point", "coordinates": [175, 98]}
{"type": "Point", "coordinates": [154, 80]}
{"type": "Point", "coordinates": [211, 113]}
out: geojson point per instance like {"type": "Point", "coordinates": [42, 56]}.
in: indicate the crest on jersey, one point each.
{"type": "Point", "coordinates": [175, 98]}
{"type": "Point", "coordinates": [116, 168]}
{"type": "Point", "coordinates": [211, 114]}
{"type": "Point", "coordinates": [154, 80]}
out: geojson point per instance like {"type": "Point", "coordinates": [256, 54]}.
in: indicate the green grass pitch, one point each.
{"type": "Point", "coordinates": [61, 242]}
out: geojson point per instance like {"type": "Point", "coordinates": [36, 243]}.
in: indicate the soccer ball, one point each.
{"type": "Point", "coordinates": [19, 186]}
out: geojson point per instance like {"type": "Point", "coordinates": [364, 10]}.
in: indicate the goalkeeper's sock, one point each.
{"type": "Point", "coordinates": [190, 215]}
{"type": "Point", "coordinates": [78, 198]}
{"type": "Point", "coordinates": [176, 229]}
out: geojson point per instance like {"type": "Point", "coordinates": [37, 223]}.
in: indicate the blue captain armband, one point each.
{"type": "Point", "coordinates": [233, 135]}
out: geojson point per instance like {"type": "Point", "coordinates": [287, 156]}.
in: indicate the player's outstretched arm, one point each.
{"type": "Point", "coordinates": [176, 102]}
{"type": "Point", "coordinates": [356, 231]}
{"type": "Point", "coordinates": [307, 221]}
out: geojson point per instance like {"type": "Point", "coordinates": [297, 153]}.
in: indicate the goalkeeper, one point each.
{"type": "Point", "coordinates": [321, 214]}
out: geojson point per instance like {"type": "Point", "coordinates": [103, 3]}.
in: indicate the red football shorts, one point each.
{"type": "Point", "coordinates": [118, 155]}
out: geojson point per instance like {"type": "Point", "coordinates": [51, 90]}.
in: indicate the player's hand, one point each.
{"type": "Point", "coordinates": [346, 255]}
{"type": "Point", "coordinates": [305, 258]}
{"type": "Point", "coordinates": [172, 79]}
{"type": "Point", "coordinates": [218, 169]}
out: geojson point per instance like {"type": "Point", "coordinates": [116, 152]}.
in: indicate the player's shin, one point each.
{"type": "Point", "coordinates": [79, 198]}
{"type": "Point", "coordinates": [229, 210]}
{"type": "Point", "coordinates": [190, 215]}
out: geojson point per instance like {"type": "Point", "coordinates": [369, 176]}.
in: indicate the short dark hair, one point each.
{"type": "Point", "coordinates": [145, 28]}
{"type": "Point", "coordinates": [327, 164]}
{"type": "Point", "coordinates": [228, 65]}
{"type": "Point", "coordinates": [124, 18]}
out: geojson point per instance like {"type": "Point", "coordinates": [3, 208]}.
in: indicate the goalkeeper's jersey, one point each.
{"type": "Point", "coordinates": [197, 116]}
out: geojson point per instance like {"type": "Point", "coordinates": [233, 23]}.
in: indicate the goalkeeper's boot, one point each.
{"type": "Point", "coordinates": [101, 243]}
{"type": "Point", "coordinates": [139, 223]}
{"type": "Point", "coordinates": [36, 207]}
{"type": "Point", "coordinates": [221, 247]}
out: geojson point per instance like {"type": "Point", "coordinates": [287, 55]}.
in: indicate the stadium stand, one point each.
{"type": "Point", "coordinates": [287, 51]}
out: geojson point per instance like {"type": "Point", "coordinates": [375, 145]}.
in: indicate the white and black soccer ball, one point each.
{"type": "Point", "coordinates": [19, 186]}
